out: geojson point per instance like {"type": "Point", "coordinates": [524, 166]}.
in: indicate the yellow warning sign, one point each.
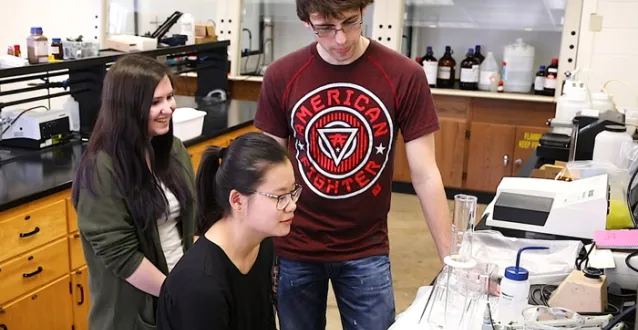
{"type": "Point", "coordinates": [530, 140]}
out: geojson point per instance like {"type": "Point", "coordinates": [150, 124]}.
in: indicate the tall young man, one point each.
{"type": "Point", "coordinates": [337, 105]}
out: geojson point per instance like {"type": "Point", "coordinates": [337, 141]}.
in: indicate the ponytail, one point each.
{"type": "Point", "coordinates": [241, 167]}
{"type": "Point", "coordinates": [209, 208]}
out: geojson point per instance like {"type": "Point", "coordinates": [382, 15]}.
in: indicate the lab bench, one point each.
{"type": "Point", "coordinates": [42, 266]}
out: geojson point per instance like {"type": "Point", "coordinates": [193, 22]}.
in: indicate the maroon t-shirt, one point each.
{"type": "Point", "coordinates": [342, 121]}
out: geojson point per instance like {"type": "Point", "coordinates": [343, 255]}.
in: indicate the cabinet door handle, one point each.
{"type": "Point", "coordinates": [518, 162]}
{"type": "Point", "coordinates": [36, 272]}
{"type": "Point", "coordinates": [33, 232]}
{"type": "Point", "coordinates": [79, 286]}
{"type": "Point", "coordinates": [506, 160]}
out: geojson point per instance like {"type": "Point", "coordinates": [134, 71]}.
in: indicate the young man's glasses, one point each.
{"type": "Point", "coordinates": [285, 199]}
{"type": "Point", "coordinates": [331, 31]}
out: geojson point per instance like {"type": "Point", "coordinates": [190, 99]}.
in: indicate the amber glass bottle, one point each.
{"type": "Point", "coordinates": [447, 70]}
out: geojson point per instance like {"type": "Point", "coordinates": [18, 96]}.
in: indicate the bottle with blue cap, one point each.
{"type": "Point", "coordinates": [37, 46]}
{"type": "Point", "coordinates": [515, 288]}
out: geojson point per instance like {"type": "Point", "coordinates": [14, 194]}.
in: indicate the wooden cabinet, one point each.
{"type": "Point", "coordinates": [33, 269]}
{"type": "Point", "coordinates": [197, 151]}
{"type": "Point", "coordinates": [481, 140]}
{"type": "Point", "coordinates": [449, 148]}
{"type": "Point", "coordinates": [48, 308]}
{"type": "Point", "coordinates": [72, 217]}
{"type": "Point", "coordinates": [196, 158]}
{"type": "Point", "coordinates": [498, 150]}
{"type": "Point", "coordinates": [41, 223]}
{"type": "Point", "coordinates": [43, 272]}
{"type": "Point", "coordinates": [489, 158]}
{"type": "Point", "coordinates": [527, 139]}
{"type": "Point", "coordinates": [401, 171]}
{"type": "Point", "coordinates": [81, 298]}
{"type": "Point", "coordinates": [76, 253]}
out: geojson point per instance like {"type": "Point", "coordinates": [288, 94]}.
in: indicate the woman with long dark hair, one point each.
{"type": "Point", "coordinates": [246, 194]}
{"type": "Point", "coordinates": [134, 195]}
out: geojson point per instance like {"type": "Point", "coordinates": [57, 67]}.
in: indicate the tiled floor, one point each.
{"type": "Point", "coordinates": [412, 253]}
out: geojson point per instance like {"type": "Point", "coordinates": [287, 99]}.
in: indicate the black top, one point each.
{"type": "Point", "coordinates": [205, 290]}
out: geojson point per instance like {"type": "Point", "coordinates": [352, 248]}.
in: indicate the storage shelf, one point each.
{"type": "Point", "coordinates": [451, 92]}
{"type": "Point", "coordinates": [494, 95]}
{"type": "Point", "coordinates": [107, 56]}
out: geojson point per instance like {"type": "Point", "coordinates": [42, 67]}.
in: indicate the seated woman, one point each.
{"type": "Point", "coordinates": [224, 281]}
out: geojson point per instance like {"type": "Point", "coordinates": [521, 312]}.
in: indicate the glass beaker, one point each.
{"type": "Point", "coordinates": [463, 227]}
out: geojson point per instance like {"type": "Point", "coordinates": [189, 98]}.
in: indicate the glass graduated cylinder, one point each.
{"type": "Point", "coordinates": [463, 227]}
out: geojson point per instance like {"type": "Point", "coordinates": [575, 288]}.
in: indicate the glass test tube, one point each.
{"type": "Point", "coordinates": [463, 227]}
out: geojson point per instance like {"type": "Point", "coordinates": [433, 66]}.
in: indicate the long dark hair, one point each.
{"type": "Point", "coordinates": [242, 167]}
{"type": "Point", "coordinates": [121, 131]}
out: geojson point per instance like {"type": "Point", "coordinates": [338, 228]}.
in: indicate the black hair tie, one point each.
{"type": "Point", "coordinates": [222, 152]}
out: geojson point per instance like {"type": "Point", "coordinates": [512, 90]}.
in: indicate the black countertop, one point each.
{"type": "Point", "coordinates": [34, 175]}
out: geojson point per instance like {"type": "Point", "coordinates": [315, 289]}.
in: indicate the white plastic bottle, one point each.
{"type": "Point", "coordinates": [489, 73]}
{"type": "Point", "coordinates": [519, 75]}
{"type": "Point", "coordinates": [602, 102]}
{"type": "Point", "coordinates": [608, 145]}
{"type": "Point", "coordinates": [188, 28]}
{"type": "Point", "coordinates": [569, 104]}
{"type": "Point", "coordinates": [515, 290]}
{"type": "Point", "coordinates": [73, 107]}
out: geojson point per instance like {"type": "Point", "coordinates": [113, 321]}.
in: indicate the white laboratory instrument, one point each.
{"type": "Point", "coordinates": [574, 209]}
{"type": "Point", "coordinates": [35, 129]}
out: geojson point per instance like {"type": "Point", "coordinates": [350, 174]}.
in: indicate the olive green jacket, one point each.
{"type": "Point", "coordinates": [114, 247]}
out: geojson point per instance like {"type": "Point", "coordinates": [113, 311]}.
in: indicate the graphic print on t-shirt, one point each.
{"type": "Point", "coordinates": [343, 137]}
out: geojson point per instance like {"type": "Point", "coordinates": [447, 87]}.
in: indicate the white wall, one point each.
{"type": "Point", "coordinates": [58, 19]}
{"type": "Point", "coordinates": [612, 52]}
{"type": "Point", "coordinates": [17, 17]}
{"type": "Point", "coordinates": [546, 43]}
{"type": "Point", "coordinates": [291, 34]}
{"type": "Point", "coordinates": [153, 11]}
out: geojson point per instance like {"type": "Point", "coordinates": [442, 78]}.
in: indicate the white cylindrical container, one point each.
{"type": "Point", "coordinates": [518, 71]}
{"type": "Point", "coordinates": [602, 102]}
{"type": "Point", "coordinates": [489, 73]}
{"type": "Point", "coordinates": [188, 28]}
{"type": "Point", "coordinates": [515, 287]}
{"type": "Point", "coordinates": [573, 100]}
{"type": "Point", "coordinates": [608, 145]}
{"type": "Point", "coordinates": [567, 108]}
{"type": "Point", "coordinates": [513, 299]}
{"type": "Point", "coordinates": [631, 119]}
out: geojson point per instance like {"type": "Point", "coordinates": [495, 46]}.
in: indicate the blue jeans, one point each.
{"type": "Point", "coordinates": [363, 289]}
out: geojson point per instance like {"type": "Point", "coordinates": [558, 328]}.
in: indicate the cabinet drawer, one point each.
{"type": "Point", "coordinates": [76, 252]}
{"type": "Point", "coordinates": [49, 308]}
{"type": "Point", "coordinates": [33, 269]}
{"type": "Point", "coordinates": [31, 229]}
